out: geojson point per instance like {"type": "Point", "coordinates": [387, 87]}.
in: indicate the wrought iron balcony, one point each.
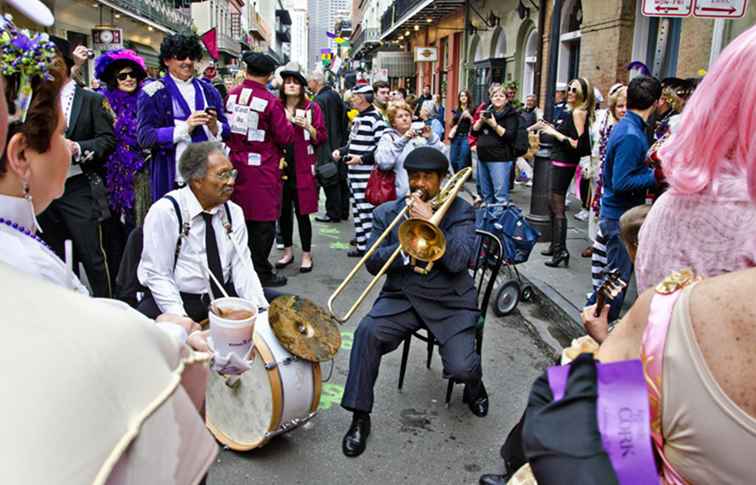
{"type": "Point", "coordinates": [227, 44]}
{"type": "Point", "coordinates": [416, 12]}
{"type": "Point", "coordinates": [365, 38]}
{"type": "Point", "coordinates": [162, 12]}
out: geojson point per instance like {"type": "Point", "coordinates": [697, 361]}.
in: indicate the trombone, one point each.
{"type": "Point", "coordinates": [423, 241]}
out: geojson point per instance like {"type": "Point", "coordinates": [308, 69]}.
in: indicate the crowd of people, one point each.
{"type": "Point", "coordinates": [172, 192]}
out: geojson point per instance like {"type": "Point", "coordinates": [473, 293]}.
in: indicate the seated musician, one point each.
{"type": "Point", "coordinates": [444, 300]}
{"type": "Point", "coordinates": [178, 257]}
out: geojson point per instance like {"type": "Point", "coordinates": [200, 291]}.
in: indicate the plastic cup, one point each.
{"type": "Point", "coordinates": [232, 335]}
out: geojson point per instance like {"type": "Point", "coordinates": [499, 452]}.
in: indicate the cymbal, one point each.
{"type": "Point", "coordinates": [303, 328]}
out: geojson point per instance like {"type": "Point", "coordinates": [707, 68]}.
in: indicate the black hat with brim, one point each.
{"type": "Point", "coordinates": [260, 63]}
{"type": "Point", "coordinates": [426, 159]}
{"type": "Point", "coordinates": [295, 74]}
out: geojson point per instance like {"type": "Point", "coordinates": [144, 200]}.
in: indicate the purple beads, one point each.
{"type": "Point", "coordinates": [27, 232]}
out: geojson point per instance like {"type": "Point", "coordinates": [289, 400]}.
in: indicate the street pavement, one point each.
{"type": "Point", "coordinates": [415, 438]}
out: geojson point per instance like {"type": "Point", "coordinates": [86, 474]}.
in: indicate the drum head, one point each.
{"type": "Point", "coordinates": [240, 416]}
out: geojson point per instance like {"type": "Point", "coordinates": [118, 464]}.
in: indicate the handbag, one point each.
{"type": "Point", "coordinates": [381, 186]}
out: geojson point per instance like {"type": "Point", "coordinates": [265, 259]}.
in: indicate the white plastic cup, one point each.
{"type": "Point", "coordinates": [232, 335]}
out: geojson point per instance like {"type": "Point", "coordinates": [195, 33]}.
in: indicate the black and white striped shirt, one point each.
{"type": "Point", "coordinates": [367, 129]}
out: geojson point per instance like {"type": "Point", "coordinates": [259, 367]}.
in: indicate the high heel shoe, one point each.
{"type": "Point", "coordinates": [549, 251]}
{"type": "Point", "coordinates": [557, 258]}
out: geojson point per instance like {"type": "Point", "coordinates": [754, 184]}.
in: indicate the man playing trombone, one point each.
{"type": "Point", "coordinates": [443, 300]}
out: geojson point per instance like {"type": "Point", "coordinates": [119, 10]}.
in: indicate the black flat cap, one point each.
{"type": "Point", "coordinates": [259, 63]}
{"type": "Point", "coordinates": [426, 159]}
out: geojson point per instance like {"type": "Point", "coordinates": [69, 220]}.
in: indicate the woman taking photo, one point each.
{"type": "Point", "coordinates": [300, 193]}
{"type": "Point", "coordinates": [496, 130]}
{"type": "Point", "coordinates": [123, 71]}
{"type": "Point", "coordinates": [571, 134]}
{"type": "Point", "coordinates": [459, 150]}
{"type": "Point", "coordinates": [399, 140]}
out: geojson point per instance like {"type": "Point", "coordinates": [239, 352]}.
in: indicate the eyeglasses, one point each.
{"type": "Point", "coordinates": [123, 75]}
{"type": "Point", "coordinates": [572, 89]}
{"type": "Point", "coordinates": [228, 175]}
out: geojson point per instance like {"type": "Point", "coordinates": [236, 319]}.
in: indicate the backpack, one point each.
{"type": "Point", "coordinates": [522, 141]}
{"type": "Point", "coordinates": [127, 284]}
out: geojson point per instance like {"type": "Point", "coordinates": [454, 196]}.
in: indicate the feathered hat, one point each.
{"type": "Point", "coordinates": [107, 62]}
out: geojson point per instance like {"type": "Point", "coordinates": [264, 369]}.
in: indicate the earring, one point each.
{"type": "Point", "coordinates": [28, 197]}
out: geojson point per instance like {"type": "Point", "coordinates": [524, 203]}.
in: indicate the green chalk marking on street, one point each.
{"type": "Point", "coordinates": [342, 246]}
{"type": "Point", "coordinates": [346, 340]}
{"type": "Point", "coordinates": [328, 230]}
{"type": "Point", "coordinates": [329, 394]}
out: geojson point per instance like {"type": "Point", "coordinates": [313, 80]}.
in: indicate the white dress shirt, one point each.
{"type": "Point", "coordinates": [28, 255]}
{"type": "Point", "coordinates": [181, 136]}
{"type": "Point", "coordinates": [161, 232]}
{"type": "Point", "coordinates": [67, 93]}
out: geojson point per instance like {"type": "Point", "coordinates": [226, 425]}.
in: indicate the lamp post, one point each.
{"type": "Point", "coordinates": [539, 216]}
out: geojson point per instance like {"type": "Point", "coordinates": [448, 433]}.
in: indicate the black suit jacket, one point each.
{"type": "Point", "coordinates": [334, 114]}
{"type": "Point", "coordinates": [91, 126]}
{"type": "Point", "coordinates": [445, 298]}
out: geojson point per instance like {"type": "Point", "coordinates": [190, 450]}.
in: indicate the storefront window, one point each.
{"type": "Point", "coordinates": [569, 48]}
{"type": "Point", "coordinates": [529, 65]}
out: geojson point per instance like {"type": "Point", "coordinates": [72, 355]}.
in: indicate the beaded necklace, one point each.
{"type": "Point", "coordinates": [23, 230]}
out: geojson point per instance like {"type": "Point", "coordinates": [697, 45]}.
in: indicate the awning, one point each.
{"type": "Point", "coordinates": [398, 64]}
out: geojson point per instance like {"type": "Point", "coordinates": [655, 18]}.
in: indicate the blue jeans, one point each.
{"type": "Point", "coordinates": [494, 181]}
{"type": "Point", "coordinates": [616, 258]}
{"type": "Point", "coordinates": [459, 152]}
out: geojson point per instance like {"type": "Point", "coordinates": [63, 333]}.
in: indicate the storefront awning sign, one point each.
{"type": "Point", "coordinates": [426, 54]}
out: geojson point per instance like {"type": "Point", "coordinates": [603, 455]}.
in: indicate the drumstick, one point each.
{"type": "Point", "coordinates": [68, 249]}
{"type": "Point", "coordinates": [215, 280]}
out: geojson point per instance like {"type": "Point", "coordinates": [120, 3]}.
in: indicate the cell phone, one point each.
{"type": "Point", "coordinates": [211, 111]}
{"type": "Point", "coordinates": [487, 114]}
{"type": "Point", "coordinates": [417, 126]}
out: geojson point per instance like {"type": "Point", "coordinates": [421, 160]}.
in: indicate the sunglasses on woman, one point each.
{"type": "Point", "coordinates": [122, 76]}
{"type": "Point", "coordinates": [572, 89]}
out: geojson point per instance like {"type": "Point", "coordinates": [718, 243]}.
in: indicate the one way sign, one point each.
{"type": "Point", "coordinates": [720, 9]}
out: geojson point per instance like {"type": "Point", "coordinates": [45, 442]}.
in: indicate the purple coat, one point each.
{"type": "Point", "coordinates": [307, 189]}
{"type": "Point", "coordinates": [259, 187]}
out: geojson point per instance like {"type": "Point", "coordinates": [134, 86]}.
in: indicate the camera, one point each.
{"type": "Point", "coordinates": [487, 114]}
{"type": "Point", "coordinates": [90, 54]}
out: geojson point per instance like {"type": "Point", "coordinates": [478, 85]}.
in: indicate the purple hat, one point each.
{"type": "Point", "coordinates": [107, 61]}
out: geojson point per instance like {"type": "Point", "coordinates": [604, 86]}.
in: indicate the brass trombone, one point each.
{"type": "Point", "coordinates": [421, 240]}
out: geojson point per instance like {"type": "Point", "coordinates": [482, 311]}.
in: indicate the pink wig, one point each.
{"type": "Point", "coordinates": [716, 132]}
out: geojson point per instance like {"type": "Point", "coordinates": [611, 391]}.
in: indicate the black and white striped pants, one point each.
{"type": "Point", "coordinates": [362, 211]}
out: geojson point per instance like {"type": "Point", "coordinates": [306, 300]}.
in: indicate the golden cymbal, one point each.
{"type": "Point", "coordinates": [303, 328]}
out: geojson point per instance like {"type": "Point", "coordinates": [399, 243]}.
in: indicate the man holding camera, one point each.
{"type": "Point", "coordinates": [177, 110]}
{"type": "Point", "coordinates": [367, 129]}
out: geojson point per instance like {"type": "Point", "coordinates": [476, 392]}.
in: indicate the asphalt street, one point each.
{"type": "Point", "coordinates": [415, 438]}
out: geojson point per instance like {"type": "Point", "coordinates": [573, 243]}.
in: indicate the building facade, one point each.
{"type": "Point", "coordinates": [299, 37]}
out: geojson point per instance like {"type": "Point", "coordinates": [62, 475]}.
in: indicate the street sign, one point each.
{"type": "Point", "coordinates": [667, 8]}
{"type": "Point", "coordinates": [720, 9]}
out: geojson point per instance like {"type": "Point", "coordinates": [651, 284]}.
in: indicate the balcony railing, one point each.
{"type": "Point", "coordinates": [227, 44]}
{"type": "Point", "coordinates": [364, 38]}
{"type": "Point", "coordinates": [162, 12]}
{"type": "Point", "coordinates": [396, 11]}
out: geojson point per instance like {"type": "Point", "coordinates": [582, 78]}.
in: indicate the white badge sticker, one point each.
{"type": "Point", "coordinates": [306, 135]}
{"type": "Point", "coordinates": [231, 102]}
{"type": "Point", "coordinates": [253, 120]}
{"type": "Point", "coordinates": [239, 120]}
{"type": "Point", "coordinates": [244, 96]}
{"type": "Point", "coordinates": [300, 113]}
{"type": "Point", "coordinates": [310, 151]}
{"type": "Point", "coordinates": [254, 159]}
{"type": "Point", "coordinates": [256, 135]}
{"type": "Point", "coordinates": [312, 167]}
{"type": "Point", "coordinates": [259, 104]}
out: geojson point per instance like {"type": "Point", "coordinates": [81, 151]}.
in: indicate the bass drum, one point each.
{"type": "Point", "coordinates": [279, 393]}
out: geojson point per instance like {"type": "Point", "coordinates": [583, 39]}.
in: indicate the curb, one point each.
{"type": "Point", "coordinates": [560, 311]}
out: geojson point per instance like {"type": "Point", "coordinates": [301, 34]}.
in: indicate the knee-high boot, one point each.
{"type": "Point", "coordinates": [560, 245]}
{"type": "Point", "coordinates": [554, 233]}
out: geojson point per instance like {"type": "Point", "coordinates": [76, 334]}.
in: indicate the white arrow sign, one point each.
{"type": "Point", "coordinates": [727, 9]}
{"type": "Point", "coordinates": [667, 8]}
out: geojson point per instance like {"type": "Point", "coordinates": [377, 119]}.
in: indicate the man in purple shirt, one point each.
{"type": "Point", "coordinates": [259, 130]}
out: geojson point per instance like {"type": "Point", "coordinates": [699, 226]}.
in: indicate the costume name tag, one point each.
{"type": "Point", "coordinates": [254, 159]}
{"type": "Point", "coordinates": [253, 120]}
{"type": "Point", "coordinates": [231, 102]}
{"type": "Point", "coordinates": [259, 104]}
{"type": "Point", "coordinates": [307, 135]}
{"type": "Point", "coordinates": [256, 135]}
{"type": "Point", "coordinates": [244, 96]}
{"type": "Point", "coordinates": [239, 120]}
{"type": "Point", "coordinates": [310, 151]}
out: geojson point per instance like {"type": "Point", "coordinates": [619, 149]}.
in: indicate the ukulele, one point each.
{"type": "Point", "coordinates": [609, 289]}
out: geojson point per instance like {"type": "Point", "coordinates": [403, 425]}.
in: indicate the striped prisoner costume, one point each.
{"type": "Point", "coordinates": [367, 129]}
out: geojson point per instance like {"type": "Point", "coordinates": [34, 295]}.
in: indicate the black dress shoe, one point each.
{"type": "Point", "coordinates": [493, 479]}
{"type": "Point", "coordinates": [353, 242]}
{"type": "Point", "coordinates": [307, 269]}
{"type": "Point", "coordinates": [356, 253]}
{"type": "Point", "coordinates": [477, 404]}
{"type": "Point", "coordinates": [355, 439]}
{"type": "Point", "coordinates": [326, 219]}
{"type": "Point", "coordinates": [273, 281]}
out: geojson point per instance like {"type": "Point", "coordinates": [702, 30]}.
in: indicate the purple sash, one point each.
{"type": "Point", "coordinates": [198, 134]}
{"type": "Point", "coordinates": [623, 418]}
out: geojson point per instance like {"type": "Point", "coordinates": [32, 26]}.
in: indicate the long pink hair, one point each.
{"type": "Point", "coordinates": [716, 132]}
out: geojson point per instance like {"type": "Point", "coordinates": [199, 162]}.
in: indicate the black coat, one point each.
{"type": "Point", "coordinates": [445, 298]}
{"type": "Point", "coordinates": [491, 146]}
{"type": "Point", "coordinates": [336, 122]}
{"type": "Point", "coordinates": [91, 126]}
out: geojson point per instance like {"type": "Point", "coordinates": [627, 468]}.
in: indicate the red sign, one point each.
{"type": "Point", "coordinates": [720, 9]}
{"type": "Point", "coordinates": [667, 8]}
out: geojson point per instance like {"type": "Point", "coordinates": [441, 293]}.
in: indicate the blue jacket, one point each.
{"type": "Point", "coordinates": [626, 177]}
{"type": "Point", "coordinates": [445, 299]}
{"type": "Point", "coordinates": [155, 126]}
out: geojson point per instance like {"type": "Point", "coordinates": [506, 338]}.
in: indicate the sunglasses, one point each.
{"type": "Point", "coordinates": [228, 175]}
{"type": "Point", "coordinates": [572, 89]}
{"type": "Point", "coordinates": [122, 76]}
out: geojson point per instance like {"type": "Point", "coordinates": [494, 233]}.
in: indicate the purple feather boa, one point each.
{"type": "Point", "coordinates": [127, 159]}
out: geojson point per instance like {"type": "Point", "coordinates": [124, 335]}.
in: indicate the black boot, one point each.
{"type": "Point", "coordinates": [560, 246]}
{"type": "Point", "coordinates": [554, 234]}
{"type": "Point", "coordinates": [355, 439]}
{"type": "Point", "coordinates": [549, 251]}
